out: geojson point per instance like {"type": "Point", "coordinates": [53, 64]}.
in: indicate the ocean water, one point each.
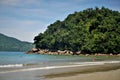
{"type": "Point", "coordinates": [12, 58]}
{"type": "Point", "coordinates": [21, 63]}
{"type": "Point", "coordinates": [16, 65]}
{"type": "Point", "coordinates": [20, 59]}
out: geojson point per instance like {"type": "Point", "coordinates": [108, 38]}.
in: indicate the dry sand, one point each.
{"type": "Point", "coordinates": [103, 72]}
{"type": "Point", "coordinates": [108, 75]}
{"type": "Point", "coordinates": [107, 71]}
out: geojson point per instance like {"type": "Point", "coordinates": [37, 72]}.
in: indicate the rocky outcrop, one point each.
{"type": "Point", "coordinates": [65, 52]}
{"type": "Point", "coordinates": [33, 50]}
{"type": "Point", "coordinates": [58, 52]}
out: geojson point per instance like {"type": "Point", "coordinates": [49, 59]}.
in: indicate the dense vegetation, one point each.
{"type": "Point", "coordinates": [12, 44]}
{"type": "Point", "coordinates": [90, 31]}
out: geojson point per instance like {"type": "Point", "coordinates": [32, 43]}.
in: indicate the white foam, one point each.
{"type": "Point", "coordinates": [11, 65]}
{"type": "Point", "coordinates": [65, 66]}
{"type": "Point", "coordinates": [96, 63]}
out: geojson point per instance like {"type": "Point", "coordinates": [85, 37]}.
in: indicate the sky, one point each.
{"type": "Point", "coordinates": [25, 19]}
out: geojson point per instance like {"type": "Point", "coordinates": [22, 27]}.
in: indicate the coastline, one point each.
{"type": "Point", "coordinates": [108, 71]}
{"type": "Point", "coordinates": [84, 67]}
{"type": "Point", "coordinates": [73, 71]}
{"type": "Point", "coordinates": [65, 72]}
{"type": "Point", "coordinates": [67, 52]}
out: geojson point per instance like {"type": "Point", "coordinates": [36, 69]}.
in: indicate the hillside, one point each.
{"type": "Point", "coordinates": [13, 44]}
{"type": "Point", "coordinates": [90, 31]}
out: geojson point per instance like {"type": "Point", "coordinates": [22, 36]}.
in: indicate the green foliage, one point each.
{"type": "Point", "coordinates": [12, 44]}
{"type": "Point", "coordinates": [90, 31]}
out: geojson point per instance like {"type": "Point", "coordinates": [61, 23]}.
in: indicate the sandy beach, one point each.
{"type": "Point", "coordinates": [101, 72]}
{"type": "Point", "coordinates": [108, 75]}
{"type": "Point", "coordinates": [106, 71]}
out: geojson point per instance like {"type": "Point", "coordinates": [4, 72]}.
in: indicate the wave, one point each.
{"type": "Point", "coordinates": [95, 63]}
{"type": "Point", "coordinates": [11, 65]}
{"type": "Point", "coordinates": [55, 67]}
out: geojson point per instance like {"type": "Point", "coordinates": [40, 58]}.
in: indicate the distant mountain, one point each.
{"type": "Point", "coordinates": [13, 44]}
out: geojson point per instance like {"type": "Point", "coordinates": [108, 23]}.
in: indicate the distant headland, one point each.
{"type": "Point", "coordinates": [89, 31]}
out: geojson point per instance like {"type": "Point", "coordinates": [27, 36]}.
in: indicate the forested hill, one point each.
{"type": "Point", "coordinates": [90, 31]}
{"type": "Point", "coordinates": [12, 44]}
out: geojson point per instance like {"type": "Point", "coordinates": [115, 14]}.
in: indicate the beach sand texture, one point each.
{"type": "Point", "coordinates": [107, 71]}
{"type": "Point", "coordinates": [101, 72]}
{"type": "Point", "coordinates": [108, 75]}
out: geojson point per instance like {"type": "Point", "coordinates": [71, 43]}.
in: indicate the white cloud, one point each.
{"type": "Point", "coordinates": [21, 35]}
{"type": "Point", "coordinates": [24, 19]}
{"type": "Point", "coordinates": [29, 17]}
{"type": "Point", "coordinates": [9, 2]}
{"type": "Point", "coordinates": [23, 30]}
{"type": "Point", "coordinates": [18, 2]}
{"type": "Point", "coordinates": [22, 24]}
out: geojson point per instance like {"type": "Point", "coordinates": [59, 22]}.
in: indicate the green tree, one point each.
{"type": "Point", "coordinates": [90, 31]}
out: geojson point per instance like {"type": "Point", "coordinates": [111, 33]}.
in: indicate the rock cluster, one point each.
{"type": "Point", "coordinates": [58, 52]}
{"type": "Point", "coordinates": [64, 52]}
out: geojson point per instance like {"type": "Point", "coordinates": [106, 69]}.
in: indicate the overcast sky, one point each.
{"type": "Point", "coordinates": [24, 19]}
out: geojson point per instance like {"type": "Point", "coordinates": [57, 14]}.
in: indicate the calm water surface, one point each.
{"type": "Point", "coordinates": [11, 58]}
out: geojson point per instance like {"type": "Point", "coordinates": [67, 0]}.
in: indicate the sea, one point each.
{"type": "Point", "coordinates": [18, 65]}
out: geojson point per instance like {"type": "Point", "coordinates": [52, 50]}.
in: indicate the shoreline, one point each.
{"type": "Point", "coordinates": [67, 52]}
{"type": "Point", "coordinates": [62, 72]}
{"type": "Point", "coordinates": [77, 65]}
{"type": "Point", "coordinates": [73, 71]}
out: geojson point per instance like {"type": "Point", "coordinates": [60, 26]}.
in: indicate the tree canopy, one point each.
{"type": "Point", "coordinates": [91, 31]}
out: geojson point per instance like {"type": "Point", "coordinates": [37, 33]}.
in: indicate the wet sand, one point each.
{"type": "Point", "coordinates": [108, 75]}
{"type": "Point", "coordinates": [100, 72]}
{"type": "Point", "coordinates": [108, 71]}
